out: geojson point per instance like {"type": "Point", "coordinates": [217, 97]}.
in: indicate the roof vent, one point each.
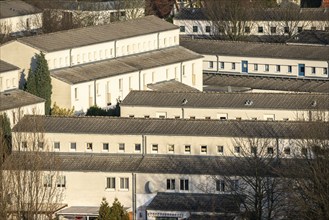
{"type": "Point", "coordinates": [184, 101]}
{"type": "Point", "coordinates": [248, 102]}
{"type": "Point", "coordinates": [314, 103]}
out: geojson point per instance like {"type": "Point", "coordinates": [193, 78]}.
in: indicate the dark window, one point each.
{"type": "Point", "coordinates": [273, 30]}
{"type": "Point", "coordinates": [313, 28]}
{"type": "Point", "coordinates": [220, 185]}
{"type": "Point", "coordinates": [73, 146]}
{"type": "Point", "coordinates": [182, 28]}
{"type": "Point", "coordinates": [208, 29]}
{"type": "Point", "coordinates": [300, 29]}
{"type": "Point", "coordinates": [313, 70]}
{"type": "Point", "coordinates": [254, 150]}
{"type": "Point", "coordinates": [260, 29]}
{"type": "Point", "coordinates": [220, 149]}
{"type": "Point", "coordinates": [106, 146]}
{"type": "Point", "coordinates": [237, 149]}
{"type": "Point", "coordinates": [286, 30]}
{"type": "Point", "coordinates": [195, 29]}
{"type": "Point", "coordinates": [247, 30]}
{"type": "Point", "coordinates": [287, 150]}
{"type": "Point", "coordinates": [184, 184]}
{"type": "Point", "coordinates": [270, 150]}
{"type": "Point", "coordinates": [137, 147]}
{"type": "Point", "coordinates": [233, 66]}
{"type": "Point", "coordinates": [278, 68]}
{"type": "Point", "coordinates": [170, 184]}
{"type": "Point", "coordinates": [289, 69]}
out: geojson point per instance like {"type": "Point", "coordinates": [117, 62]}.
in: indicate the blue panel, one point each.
{"type": "Point", "coordinates": [244, 64]}
{"type": "Point", "coordinates": [301, 69]}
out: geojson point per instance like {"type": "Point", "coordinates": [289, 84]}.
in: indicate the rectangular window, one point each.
{"type": "Point", "coordinates": [256, 67]}
{"type": "Point", "coordinates": [171, 184]}
{"type": "Point", "coordinates": [325, 71]}
{"type": "Point", "coordinates": [220, 149]}
{"type": "Point", "coordinates": [167, 74]}
{"type": "Point", "coordinates": [313, 28]}
{"type": "Point", "coordinates": [124, 183]}
{"type": "Point", "coordinates": [270, 150]}
{"type": "Point", "coordinates": [57, 146]}
{"type": "Point", "coordinates": [313, 70]}
{"type": "Point", "coordinates": [184, 184]}
{"type": "Point", "coordinates": [120, 84]}
{"type": "Point", "coordinates": [204, 149]}
{"type": "Point", "coordinates": [289, 69]}
{"type": "Point", "coordinates": [234, 185]}
{"type": "Point", "coordinates": [47, 180]}
{"type": "Point", "coordinates": [192, 117]}
{"type": "Point", "coordinates": [253, 150]}
{"type": "Point", "coordinates": [278, 68]}
{"type": "Point", "coordinates": [233, 66]}
{"type": "Point", "coordinates": [211, 64]}
{"type": "Point", "coordinates": [41, 145]}
{"type": "Point", "coordinates": [122, 147]}
{"type": "Point", "coordinates": [260, 29]}
{"type": "Point", "coordinates": [266, 68]}
{"type": "Point", "coordinates": [237, 149]}
{"type": "Point", "coordinates": [220, 185]}
{"type": "Point", "coordinates": [207, 29]}
{"type": "Point", "coordinates": [222, 65]}
{"type": "Point", "coordinates": [247, 30]}
{"type": "Point", "coordinates": [73, 146]}
{"type": "Point", "coordinates": [137, 147]}
{"type": "Point", "coordinates": [61, 181]}
{"type": "Point", "coordinates": [286, 30]}
{"type": "Point", "coordinates": [106, 147]}
{"type": "Point", "coordinates": [300, 29]}
{"type": "Point", "coordinates": [182, 28]}
{"type": "Point", "coordinates": [222, 116]}
{"type": "Point", "coordinates": [171, 148]}
{"type": "Point", "coordinates": [287, 150]}
{"type": "Point", "coordinates": [76, 93]}
{"type": "Point", "coordinates": [89, 146]}
{"type": "Point", "coordinates": [154, 148]}
{"type": "Point", "coordinates": [187, 148]}
{"type": "Point", "coordinates": [193, 79]}
{"type": "Point", "coordinates": [195, 29]}
{"type": "Point", "coordinates": [110, 183]}
{"type": "Point", "coordinates": [24, 144]}
{"type": "Point", "coordinates": [273, 30]}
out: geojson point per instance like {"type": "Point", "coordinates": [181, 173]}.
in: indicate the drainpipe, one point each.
{"type": "Point", "coordinates": [158, 38]}
{"type": "Point", "coordinates": [277, 148]}
{"type": "Point", "coordinates": [139, 80]}
{"type": "Point", "coordinates": [95, 93]}
{"type": "Point", "coordinates": [143, 141]}
{"type": "Point", "coordinates": [70, 57]}
{"type": "Point", "coordinates": [217, 68]}
{"type": "Point", "coordinates": [181, 72]}
{"type": "Point", "coordinates": [115, 49]}
{"type": "Point", "coordinates": [145, 146]}
{"type": "Point", "coordinates": [133, 175]}
{"type": "Point", "coordinates": [328, 69]}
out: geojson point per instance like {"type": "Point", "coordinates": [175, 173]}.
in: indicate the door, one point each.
{"type": "Point", "coordinates": [244, 64]}
{"type": "Point", "coordinates": [301, 69]}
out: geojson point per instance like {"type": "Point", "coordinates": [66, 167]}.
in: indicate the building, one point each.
{"type": "Point", "coordinates": [17, 16]}
{"type": "Point", "coordinates": [274, 22]}
{"type": "Point", "coordinates": [143, 161]}
{"type": "Point", "coordinates": [264, 59]}
{"type": "Point", "coordinates": [313, 38]}
{"type": "Point", "coordinates": [9, 76]}
{"type": "Point", "coordinates": [225, 106]}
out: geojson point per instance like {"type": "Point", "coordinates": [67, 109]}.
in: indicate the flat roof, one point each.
{"type": "Point", "coordinates": [256, 49]}
{"type": "Point", "coordinates": [214, 81]}
{"type": "Point", "coordinates": [6, 67]}
{"type": "Point", "coordinates": [174, 127]}
{"type": "Point", "coordinates": [17, 98]}
{"type": "Point", "coordinates": [79, 37]}
{"type": "Point", "coordinates": [111, 67]}
{"type": "Point", "coordinates": [233, 100]}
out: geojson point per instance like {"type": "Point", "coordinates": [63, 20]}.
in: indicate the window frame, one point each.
{"type": "Point", "coordinates": [171, 184]}
{"type": "Point", "coordinates": [184, 184]}
{"type": "Point", "coordinates": [110, 183]}
{"type": "Point", "coordinates": [124, 184]}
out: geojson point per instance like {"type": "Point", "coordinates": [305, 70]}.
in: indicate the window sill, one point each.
{"type": "Point", "coordinates": [124, 190]}
{"type": "Point", "coordinates": [109, 190]}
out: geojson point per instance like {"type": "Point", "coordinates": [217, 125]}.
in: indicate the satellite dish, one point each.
{"type": "Point", "coordinates": [149, 187]}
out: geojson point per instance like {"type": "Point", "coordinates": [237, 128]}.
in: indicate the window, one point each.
{"type": "Point", "coordinates": [304, 151]}
{"type": "Point", "coordinates": [124, 183]}
{"type": "Point", "coordinates": [110, 183]}
{"type": "Point", "coordinates": [222, 116]}
{"type": "Point", "coordinates": [208, 29]}
{"type": "Point", "coordinates": [167, 74]}
{"type": "Point", "coordinates": [137, 147]}
{"type": "Point", "coordinates": [289, 69]}
{"type": "Point", "coordinates": [24, 144]}
{"type": "Point", "coordinates": [131, 116]}
{"type": "Point", "coordinates": [177, 117]}
{"type": "Point", "coordinates": [146, 116]}
{"type": "Point", "coordinates": [253, 150]}
{"type": "Point", "coordinates": [122, 147]}
{"type": "Point", "coordinates": [270, 117]}
{"type": "Point", "coordinates": [286, 30]}
{"type": "Point", "coordinates": [89, 146]}
{"type": "Point", "coordinates": [120, 84]}
{"type": "Point", "coordinates": [73, 146]}
{"type": "Point", "coordinates": [267, 68]}
{"type": "Point", "coordinates": [254, 119]}
{"type": "Point", "coordinates": [270, 150]}
{"type": "Point", "coordinates": [204, 149]}
{"type": "Point", "coordinates": [313, 28]}
{"type": "Point", "coordinates": [192, 117]}
{"type": "Point", "coordinates": [273, 30]}
{"type": "Point", "coordinates": [47, 180]}
{"type": "Point", "coordinates": [105, 146]}
{"type": "Point", "coordinates": [222, 65]}
{"type": "Point", "coordinates": [220, 185]}
{"type": "Point", "coordinates": [325, 71]}
{"type": "Point", "coordinates": [300, 29]}
{"type": "Point", "coordinates": [207, 118]}
{"type": "Point", "coordinates": [285, 119]}
{"type": "Point", "coordinates": [326, 28]}
{"type": "Point", "coordinates": [171, 184]}
{"type": "Point", "coordinates": [211, 64]}
{"type": "Point", "coordinates": [234, 185]}
{"type": "Point", "coordinates": [195, 29]}
{"type": "Point", "coordinates": [61, 181]}
{"type": "Point", "coordinates": [40, 145]}
{"type": "Point", "coordinates": [233, 66]}
{"type": "Point", "coordinates": [76, 93]}
{"type": "Point", "coordinates": [220, 149]}
{"type": "Point", "coordinates": [187, 148]}
{"type": "Point", "coordinates": [260, 29]}
{"type": "Point", "coordinates": [184, 184]}
{"type": "Point", "coordinates": [287, 150]}
{"type": "Point", "coordinates": [154, 148]}
{"type": "Point", "coordinates": [182, 28]}
{"type": "Point", "coordinates": [313, 70]}
{"type": "Point", "coordinates": [256, 67]}
{"type": "Point", "coordinates": [237, 149]}
{"type": "Point", "coordinates": [247, 30]}
{"type": "Point", "coordinates": [171, 148]}
{"type": "Point", "coordinates": [238, 118]}
{"type": "Point", "coordinates": [278, 68]}
{"type": "Point", "coordinates": [57, 146]}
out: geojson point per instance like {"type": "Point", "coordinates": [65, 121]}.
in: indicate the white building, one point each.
{"type": "Point", "coordinates": [263, 59]}
{"type": "Point", "coordinates": [226, 106]}
{"type": "Point", "coordinates": [9, 76]}
{"type": "Point", "coordinates": [18, 16]}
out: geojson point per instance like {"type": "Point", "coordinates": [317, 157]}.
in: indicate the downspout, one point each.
{"type": "Point", "coordinates": [139, 80]}
{"type": "Point", "coordinates": [158, 37]}
{"type": "Point", "coordinates": [181, 72]}
{"type": "Point", "coordinates": [70, 57]}
{"type": "Point", "coordinates": [133, 175]}
{"type": "Point", "coordinates": [143, 142]}
{"type": "Point", "coordinates": [95, 93]}
{"type": "Point", "coordinates": [277, 149]}
{"type": "Point", "coordinates": [115, 49]}
{"type": "Point", "coordinates": [217, 61]}
{"type": "Point", "coordinates": [328, 69]}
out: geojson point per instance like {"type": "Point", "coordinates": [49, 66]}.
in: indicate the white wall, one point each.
{"type": "Point", "coordinates": [21, 23]}
{"type": "Point", "coordinates": [9, 80]}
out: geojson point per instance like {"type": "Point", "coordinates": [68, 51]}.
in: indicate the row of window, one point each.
{"type": "Point", "coordinates": [10, 83]}
{"type": "Point", "coordinates": [123, 183]}
{"type": "Point", "coordinates": [54, 180]}
{"type": "Point", "coordinates": [260, 29]}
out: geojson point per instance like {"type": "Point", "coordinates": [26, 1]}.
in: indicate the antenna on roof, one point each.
{"type": "Point", "coordinates": [184, 101]}
{"type": "Point", "coordinates": [314, 103]}
{"type": "Point", "coordinates": [248, 102]}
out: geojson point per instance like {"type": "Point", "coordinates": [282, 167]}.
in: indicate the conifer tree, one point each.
{"type": "Point", "coordinates": [117, 212]}
{"type": "Point", "coordinates": [104, 211]}
{"type": "Point", "coordinates": [39, 81]}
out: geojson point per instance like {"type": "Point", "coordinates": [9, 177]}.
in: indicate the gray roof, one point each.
{"type": "Point", "coordinates": [17, 98]}
{"type": "Point", "coordinates": [291, 101]}
{"type": "Point", "coordinates": [81, 210]}
{"type": "Point", "coordinates": [97, 34]}
{"type": "Point", "coordinates": [254, 49]}
{"type": "Point", "coordinates": [311, 37]}
{"type": "Point", "coordinates": [127, 64]}
{"type": "Point", "coordinates": [14, 8]}
{"type": "Point", "coordinates": [196, 202]}
{"type": "Point", "coordinates": [5, 67]}
{"type": "Point", "coordinates": [212, 81]}
{"type": "Point", "coordinates": [177, 127]}
{"type": "Point", "coordinates": [270, 14]}
{"type": "Point", "coordinates": [171, 85]}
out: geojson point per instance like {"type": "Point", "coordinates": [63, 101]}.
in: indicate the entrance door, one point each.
{"type": "Point", "coordinates": [301, 69]}
{"type": "Point", "coordinates": [244, 64]}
